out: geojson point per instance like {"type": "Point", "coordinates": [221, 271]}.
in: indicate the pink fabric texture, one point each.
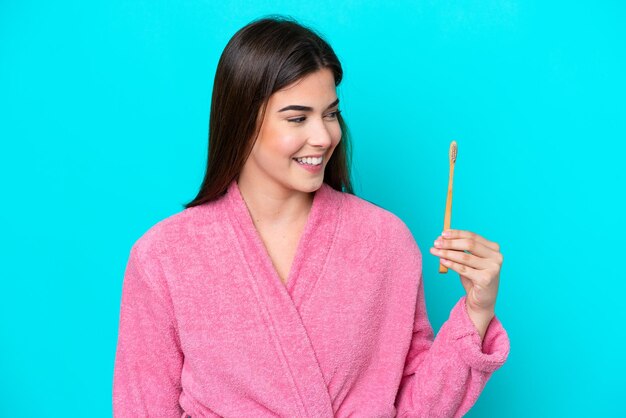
{"type": "Point", "coordinates": [208, 329]}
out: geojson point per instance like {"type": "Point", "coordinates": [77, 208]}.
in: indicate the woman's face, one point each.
{"type": "Point", "coordinates": [300, 121]}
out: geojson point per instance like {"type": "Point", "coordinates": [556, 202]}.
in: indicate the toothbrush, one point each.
{"type": "Point", "coordinates": [446, 221]}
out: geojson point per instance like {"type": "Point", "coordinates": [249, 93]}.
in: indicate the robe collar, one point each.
{"type": "Point", "coordinates": [283, 306]}
{"type": "Point", "coordinates": [312, 248]}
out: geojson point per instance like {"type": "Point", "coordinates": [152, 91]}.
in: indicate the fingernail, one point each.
{"type": "Point", "coordinates": [446, 233]}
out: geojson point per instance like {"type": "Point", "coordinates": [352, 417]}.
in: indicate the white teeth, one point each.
{"type": "Point", "coordinates": [310, 160]}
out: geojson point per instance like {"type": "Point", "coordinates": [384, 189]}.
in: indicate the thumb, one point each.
{"type": "Point", "coordinates": [467, 284]}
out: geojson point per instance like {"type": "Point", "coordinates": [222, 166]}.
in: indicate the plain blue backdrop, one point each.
{"type": "Point", "coordinates": [104, 109]}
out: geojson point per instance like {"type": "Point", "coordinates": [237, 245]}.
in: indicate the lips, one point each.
{"type": "Point", "coordinates": [312, 165]}
{"type": "Point", "coordinates": [310, 168]}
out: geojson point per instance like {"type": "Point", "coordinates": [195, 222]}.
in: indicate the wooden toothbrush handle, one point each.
{"type": "Point", "coordinates": [448, 215]}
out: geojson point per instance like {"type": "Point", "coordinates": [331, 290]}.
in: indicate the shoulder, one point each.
{"type": "Point", "coordinates": [365, 215]}
{"type": "Point", "coordinates": [178, 230]}
{"type": "Point", "coordinates": [378, 232]}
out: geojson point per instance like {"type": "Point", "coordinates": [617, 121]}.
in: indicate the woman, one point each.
{"type": "Point", "coordinates": [277, 291]}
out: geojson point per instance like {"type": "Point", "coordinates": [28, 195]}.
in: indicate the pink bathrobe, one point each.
{"type": "Point", "coordinates": [208, 329]}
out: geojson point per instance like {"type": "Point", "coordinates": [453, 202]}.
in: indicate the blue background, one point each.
{"type": "Point", "coordinates": [104, 109]}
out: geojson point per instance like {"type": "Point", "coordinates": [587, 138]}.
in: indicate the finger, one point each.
{"type": "Point", "coordinates": [466, 244]}
{"type": "Point", "coordinates": [460, 257]}
{"type": "Point", "coordinates": [462, 269]}
{"type": "Point", "coordinates": [459, 233]}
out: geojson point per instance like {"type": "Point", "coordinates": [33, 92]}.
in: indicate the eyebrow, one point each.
{"type": "Point", "coordinates": [306, 108]}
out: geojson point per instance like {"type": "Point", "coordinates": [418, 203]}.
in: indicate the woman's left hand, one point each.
{"type": "Point", "coordinates": [478, 262]}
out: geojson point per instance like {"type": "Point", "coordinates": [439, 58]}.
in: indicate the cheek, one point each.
{"type": "Point", "coordinates": [336, 135]}
{"type": "Point", "coordinates": [283, 148]}
{"type": "Point", "coordinates": [278, 144]}
{"type": "Point", "coordinates": [287, 145]}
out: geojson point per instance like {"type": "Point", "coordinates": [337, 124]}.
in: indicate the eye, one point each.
{"type": "Point", "coordinates": [334, 114]}
{"type": "Point", "coordinates": [296, 120]}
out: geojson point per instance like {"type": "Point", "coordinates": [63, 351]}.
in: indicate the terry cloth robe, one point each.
{"type": "Point", "coordinates": [207, 328]}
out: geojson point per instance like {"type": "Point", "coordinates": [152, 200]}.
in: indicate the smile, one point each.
{"type": "Point", "coordinates": [309, 160]}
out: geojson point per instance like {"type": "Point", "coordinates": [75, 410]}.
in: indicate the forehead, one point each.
{"type": "Point", "coordinates": [318, 87]}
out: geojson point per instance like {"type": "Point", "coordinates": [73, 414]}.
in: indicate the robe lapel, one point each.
{"type": "Point", "coordinates": [282, 303]}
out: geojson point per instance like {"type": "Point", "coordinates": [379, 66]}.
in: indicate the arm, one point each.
{"type": "Point", "coordinates": [444, 376]}
{"type": "Point", "coordinates": [149, 359]}
{"type": "Point", "coordinates": [481, 320]}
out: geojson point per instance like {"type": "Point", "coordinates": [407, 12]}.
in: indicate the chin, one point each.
{"type": "Point", "coordinates": [310, 186]}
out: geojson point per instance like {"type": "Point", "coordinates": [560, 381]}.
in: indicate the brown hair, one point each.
{"type": "Point", "coordinates": [263, 57]}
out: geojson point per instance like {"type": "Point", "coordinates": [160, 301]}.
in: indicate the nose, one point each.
{"type": "Point", "coordinates": [321, 135]}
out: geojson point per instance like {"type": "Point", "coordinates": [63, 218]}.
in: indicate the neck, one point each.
{"type": "Point", "coordinates": [275, 206]}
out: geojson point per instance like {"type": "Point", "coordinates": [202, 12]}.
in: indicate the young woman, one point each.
{"type": "Point", "coordinates": [277, 291]}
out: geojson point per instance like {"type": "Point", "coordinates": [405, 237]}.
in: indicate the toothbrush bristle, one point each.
{"type": "Point", "coordinates": [453, 151]}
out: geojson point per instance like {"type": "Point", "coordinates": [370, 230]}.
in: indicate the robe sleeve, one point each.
{"type": "Point", "coordinates": [149, 359]}
{"type": "Point", "coordinates": [444, 376]}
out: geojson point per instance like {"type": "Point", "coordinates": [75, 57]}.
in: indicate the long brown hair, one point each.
{"type": "Point", "coordinates": [263, 57]}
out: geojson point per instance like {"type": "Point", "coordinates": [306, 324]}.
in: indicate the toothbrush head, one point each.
{"type": "Point", "coordinates": [453, 152]}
